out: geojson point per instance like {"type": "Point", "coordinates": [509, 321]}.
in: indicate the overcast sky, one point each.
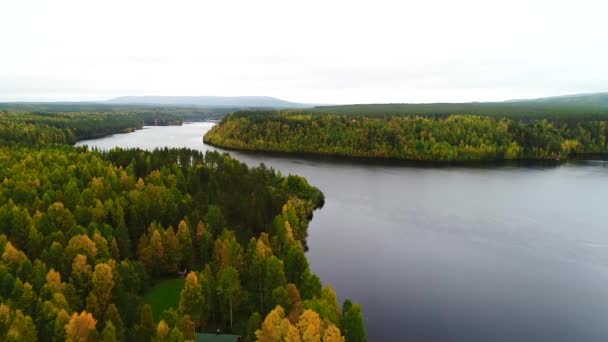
{"type": "Point", "coordinates": [304, 51]}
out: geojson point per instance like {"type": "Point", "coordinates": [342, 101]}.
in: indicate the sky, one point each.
{"type": "Point", "coordinates": [324, 52]}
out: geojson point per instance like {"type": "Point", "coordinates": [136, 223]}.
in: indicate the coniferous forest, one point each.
{"type": "Point", "coordinates": [84, 235]}
{"type": "Point", "coordinates": [434, 132]}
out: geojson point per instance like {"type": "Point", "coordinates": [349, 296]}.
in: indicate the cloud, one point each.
{"type": "Point", "coordinates": [313, 51]}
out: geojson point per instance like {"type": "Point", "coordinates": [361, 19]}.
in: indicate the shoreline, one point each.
{"type": "Point", "coordinates": [412, 162]}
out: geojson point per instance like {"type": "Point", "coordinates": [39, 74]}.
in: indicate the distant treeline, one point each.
{"type": "Point", "coordinates": [184, 112]}
{"type": "Point", "coordinates": [510, 132]}
{"type": "Point", "coordinates": [44, 124]}
{"type": "Point", "coordinates": [528, 110]}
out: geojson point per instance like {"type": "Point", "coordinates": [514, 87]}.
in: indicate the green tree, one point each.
{"type": "Point", "coordinates": [113, 316]}
{"type": "Point", "coordinates": [295, 264]}
{"type": "Point", "coordinates": [352, 323]}
{"type": "Point", "coordinates": [21, 328]}
{"type": "Point", "coordinates": [215, 220]}
{"type": "Point", "coordinates": [123, 240]}
{"type": "Point", "coordinates": [59, 333]}
{"type": "Point", "coordinates": [147, 328]}
{"type": "Point", "coordinates": [229, 288]}
{"type": "Point", "coordinates": [255, 262]}
{"type": "Point", "coordinates": [109, 333]}
{"type": "Point", "coordinates": [60, 218]}
{"type": "Point", "coordinates": [311, 285]}
{"type": "Point", "coordinates": [45, 320]}
{"type": "Point", "coordinates": [274, 276]}
{"type": "Point", "coordinates": [172, 251]}
{"type": "Point", "coordinates": [326, 305]}
{"type": "Point", "coordinates": [253, 324]}
{"type": "Point", "coordinates": [176, 335]}
{"type": "Point", "coordinates": [209, 286]}
{"type": "Point", "coordinates": [280, 297]}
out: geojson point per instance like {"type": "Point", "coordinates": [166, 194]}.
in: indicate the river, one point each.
{"type": "Point", "coordinates": [452, 253]}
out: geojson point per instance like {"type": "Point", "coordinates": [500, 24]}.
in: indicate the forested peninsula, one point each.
{"type": "Point", "coordinates": [46, 124]}
{"type": "Point", "coordinates": [134, 245]}
{"type": "Point", "coordinates": [434, 132]}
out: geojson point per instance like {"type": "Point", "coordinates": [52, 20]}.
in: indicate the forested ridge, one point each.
{"type": "Point", "coordinates": [592, 106]}
{"type": "Point", "coordinates": [84, 234]}
{"type": "Point", "coordinates": [436, 135]}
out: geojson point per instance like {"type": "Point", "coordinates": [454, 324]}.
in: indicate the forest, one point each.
{"type": "Point", "coordinates": [47, 123]}
{"type": "Point", "coordinates": [85, 235]}
{"type": "Point", "coordinates": [576, 107]}
{"type": "Point", "coordinates": [527, 132]}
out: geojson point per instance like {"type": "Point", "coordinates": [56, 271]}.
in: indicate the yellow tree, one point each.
{"type": "Point", "coordinates": [275, 326]}
{"type": "Point", "coordinates": [185, 243]}
{"type": "Point", "coordinates": [13, 257]}
{"type": "Point", "coordinates": [332, 334]}
{"type": "Point", "coordinates": [101, 244]}
{"type": "Point", "coordinates": [157, 250]}
{"type": "Point", "coordinates": [81, 274]}
{"type": "Point", "coordinates": [144, 251]}
{"type": "Point", "coordinates": [81, 244]}
{"type": "Point", "coordinates": [172, 251]}
{"type": "Point", "coordinates": [162, 331]}
{"type": "Point", "coordinates": [293, 335]}
{"type": "Point", "coordinates": [80, 327]}
{"type": "Point", "coordinates": [102, 285]}
{"type": "Point", "coordinates": [191, 300]}
{"type": "Point", "coordinates": [228, 252]}
{"type": "Point", "coordinates": [310, 326]}
{"type": "Point", "coordinates": [22, 328]}
{"type": "Point", "coordinates": [53, 281]}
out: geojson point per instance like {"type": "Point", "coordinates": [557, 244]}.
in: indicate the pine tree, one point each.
{"type": "Point", "coordinates": [352, 323]}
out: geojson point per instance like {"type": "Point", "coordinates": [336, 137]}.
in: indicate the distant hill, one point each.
{"type": "Point", "coordinates": [589, 106]}
{"type": "Point", "coordinates": [589, 99]}
{"type": "Point", "coordinates": [209, 101]}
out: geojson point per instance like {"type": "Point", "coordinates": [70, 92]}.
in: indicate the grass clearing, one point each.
{"type": "Point", "coordinates": [164, 295]}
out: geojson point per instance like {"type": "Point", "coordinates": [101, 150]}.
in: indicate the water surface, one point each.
{"type": "Point", "coordinates": [451, 254]}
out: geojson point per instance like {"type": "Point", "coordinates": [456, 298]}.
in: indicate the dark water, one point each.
{"type": "Point", "coordinates": [452, 254]}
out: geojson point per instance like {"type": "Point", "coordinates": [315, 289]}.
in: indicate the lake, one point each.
{"type": "Point", "coordinates": [452, 253]}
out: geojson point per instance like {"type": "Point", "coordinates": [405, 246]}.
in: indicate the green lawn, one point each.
{"type": "Point", "coordinates": [164, 295]}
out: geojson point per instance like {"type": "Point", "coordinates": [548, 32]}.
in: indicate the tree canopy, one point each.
{"type": "Point", "coordinates": [84, 234]}
{"type": "Point", "coordinates": [430, 137]}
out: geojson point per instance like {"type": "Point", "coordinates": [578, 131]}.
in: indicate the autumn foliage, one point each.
{"type": "Point", "coordinates": [84, 234]}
